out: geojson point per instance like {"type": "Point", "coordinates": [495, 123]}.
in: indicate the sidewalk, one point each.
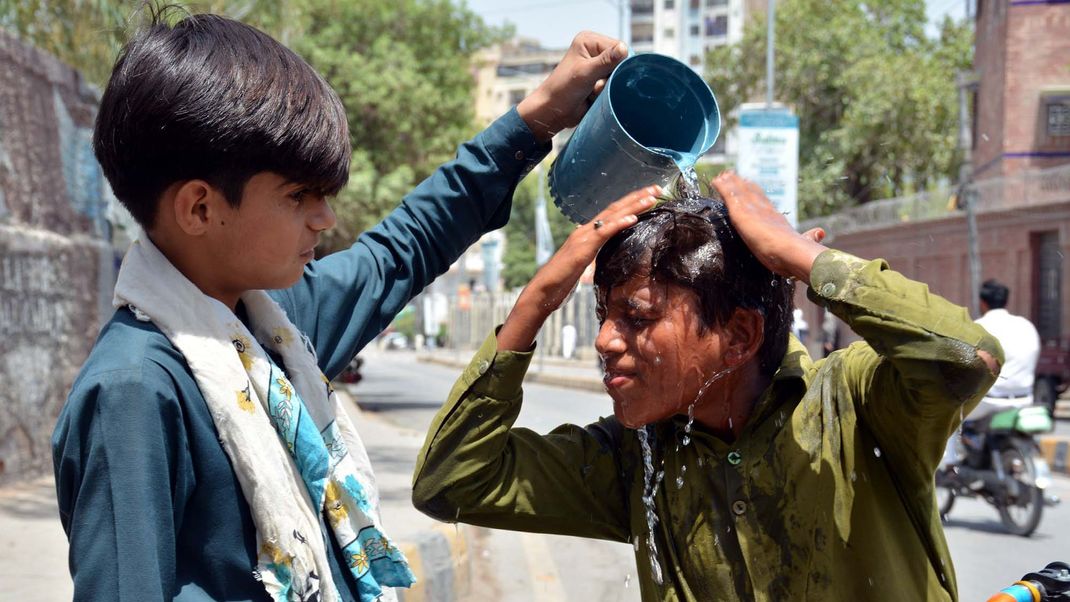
{"type": "Point", "coordinates": [33, 547]}
{"type": "Point", "coordinates": [584, 374]}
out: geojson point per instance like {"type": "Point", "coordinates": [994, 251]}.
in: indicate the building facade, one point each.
{"type": "Point", "coordinates": [1021, 86]}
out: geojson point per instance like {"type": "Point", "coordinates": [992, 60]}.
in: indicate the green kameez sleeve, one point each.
{"type": "Point", "coordinates": [918, 371]}
{"type": "Point", "coordinates": [476, 468]}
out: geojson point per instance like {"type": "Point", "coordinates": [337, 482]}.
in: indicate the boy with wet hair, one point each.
{"type": "Point", "coordinates": [202, 453]}
{"type": "Point", "coordinates": [739, 468]}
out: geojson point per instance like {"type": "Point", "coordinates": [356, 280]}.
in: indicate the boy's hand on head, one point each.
{"type": "Point", "coordinates": [555, 280]}
{"type": "Point", "coordinates": [766, 231]}
{"type": "Point", "coordinates": [564, 97]}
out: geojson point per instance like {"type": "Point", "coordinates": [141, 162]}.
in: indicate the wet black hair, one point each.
{"type": "Point", "coordinates": [691, 243]}
{"type": "Point", "coordinates": [210, 98]}
{"type": "Point", "coordinates": [995, 293]}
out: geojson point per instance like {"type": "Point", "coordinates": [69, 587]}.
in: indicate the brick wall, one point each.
{"type": "Point", "coordinates": [1022, 51]}
{"type": "Point", "coordinates": [56, 266]}
{"type": "Point", "coordinates": [936, 252]}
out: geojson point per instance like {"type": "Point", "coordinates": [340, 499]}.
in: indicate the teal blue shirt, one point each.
{"type": "Point", "coordinates": [147, 496]}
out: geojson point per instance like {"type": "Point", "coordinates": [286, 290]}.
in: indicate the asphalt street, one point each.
{"type": "Point", "coordinates": [522, 567]}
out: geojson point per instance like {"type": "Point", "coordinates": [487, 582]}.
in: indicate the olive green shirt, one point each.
{"type": "Point", "coordinates": [826, 495]}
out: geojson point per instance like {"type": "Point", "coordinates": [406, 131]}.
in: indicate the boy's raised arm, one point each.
{"type": "Point", "coordinates": [925, 362]}
{"type": "Point", "coordinates": [345, 300]}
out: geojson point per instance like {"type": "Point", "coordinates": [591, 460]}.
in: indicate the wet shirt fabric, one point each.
{"type": "Point", "coordinates": [826, 495]}
{"type": "Point", "coordinates": [148, 498]}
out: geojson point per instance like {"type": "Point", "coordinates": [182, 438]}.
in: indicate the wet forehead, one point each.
{"type": "Point", "coordinates": [638, 294]}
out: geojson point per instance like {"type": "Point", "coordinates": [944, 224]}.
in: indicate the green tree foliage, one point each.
{"type": "Point", "coordinates": [402, 71]}
{"type": "Point", "coordinates": [84, 34]}
{"type": "Point", "coordinates": [401, 68]}
{"type": "Point", "coordinates": [519, 258]}
{"type": "Point", "coordinates": [876, 96]}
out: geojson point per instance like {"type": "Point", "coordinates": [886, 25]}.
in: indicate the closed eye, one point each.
{"type": "Point", "coordinates": [299, 195]}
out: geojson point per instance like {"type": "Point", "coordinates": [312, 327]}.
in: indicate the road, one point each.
{"type": "Point", "coordinates": [524, 567]}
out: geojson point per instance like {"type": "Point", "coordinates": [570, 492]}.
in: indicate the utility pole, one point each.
{"type": "Point", "coordinates": [770, 42]}
{"type": "Point", "coordinates": [967, 192]}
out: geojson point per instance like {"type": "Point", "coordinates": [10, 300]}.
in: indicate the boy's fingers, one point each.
{"type": "Point", "coordinates": [633, 201]}
{"type": "Point", "coordinates": [815, 234]}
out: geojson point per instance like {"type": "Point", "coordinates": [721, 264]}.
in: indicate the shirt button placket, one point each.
{"type": "Point", "coordinates": [739, 507]}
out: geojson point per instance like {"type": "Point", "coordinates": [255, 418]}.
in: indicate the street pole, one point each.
{"type": "Point", "coordinates": [968, 193]}
{"type": "Point", "coordinates": [770, 42]}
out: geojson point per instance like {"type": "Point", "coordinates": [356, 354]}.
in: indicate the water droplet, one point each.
{"type": "Point", "coordinates": [854, 476]}
{"type": "Point", "coordinates": [773, 282]}
{"type": "Point", "coordinates": [686, 441]}
{"type": "Point", "coordinates": [877, 451]}
{"type": "Point", "coordinates": [627, 581]}
{"type": "Point", "coordinates": [680, 482]}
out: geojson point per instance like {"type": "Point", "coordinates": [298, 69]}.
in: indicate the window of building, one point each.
{"type": "Point", "coordinates": [670, 4]}
{"type": "Point", "coordinates": [717, 26]}
{"type": "Point", "coordinates": [670, 32]}
{"type": "Point", "coordinates": [695, 30]}
{"type": "Point", "coordinates": [642, 7]}
{"type": "Point", "coordinates": [696, 4]}
{"type": "Point", "coordinates": [642, 33]}
{"type": "Point", "coordinates": [696, 60]}
{"type": "Point", "coordinates": [1058, 116]}
{"type": "Point", "coordinates": [714, 3]}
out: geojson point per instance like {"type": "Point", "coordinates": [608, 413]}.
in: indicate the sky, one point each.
{"type": "Point", "coordinates": [555, 22]}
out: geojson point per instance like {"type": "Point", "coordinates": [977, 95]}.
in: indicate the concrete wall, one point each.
{"type": "Point", "coordinates": [56, 265]}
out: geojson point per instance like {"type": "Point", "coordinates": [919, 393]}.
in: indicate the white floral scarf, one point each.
{"type": "Point", "coordinates": [293, 448]}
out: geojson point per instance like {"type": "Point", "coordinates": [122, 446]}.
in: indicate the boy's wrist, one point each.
{"type": "Point", "coordinates": [799, 260]}
{"type": "Point", "coordinates": [539, 116]}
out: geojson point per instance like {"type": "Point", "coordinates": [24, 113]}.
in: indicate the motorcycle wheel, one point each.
{"type": "Point", "coordinates": [1021, 507]}
{"type": "Point", "coordinates": [945, 499]}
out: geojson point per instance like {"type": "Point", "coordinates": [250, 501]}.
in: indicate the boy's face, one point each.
{"type": "Point", "coordinates": [656, 356]}
{"type": "Point", "coordinates": [267, 240]}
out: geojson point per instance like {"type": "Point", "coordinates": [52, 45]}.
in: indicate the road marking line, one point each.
{"type": "Point", "coordinates": [545, 582]}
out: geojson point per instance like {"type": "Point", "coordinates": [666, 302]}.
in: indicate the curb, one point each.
{"type": "Point", "coordinates": [442, 563]}
{"type": "Point", "coordinates": [1055, 450]}
{"type": "Point", "coordinates": [543, 378]}
{"type": "Point", "coordinates": [438, 556]}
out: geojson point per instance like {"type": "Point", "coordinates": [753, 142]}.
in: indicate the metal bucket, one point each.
{"type": "Point", "coordinates": [654, 118]}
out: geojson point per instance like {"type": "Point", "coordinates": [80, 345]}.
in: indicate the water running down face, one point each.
{"type": "Point", "coordinates": [681, 300]}
{"type": "Point", "coordinates": [657, 354]}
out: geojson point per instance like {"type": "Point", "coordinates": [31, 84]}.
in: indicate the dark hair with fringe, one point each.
{"type": "Point", "coordinates": [210, 98]}
{"type": "Point", "coordinates": [691, 243]}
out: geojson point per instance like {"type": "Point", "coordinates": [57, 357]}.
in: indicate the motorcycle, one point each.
{"type": "Point", "coordinates": [998, 460]}
{"type": "Point", "coordinates": [351, 373]}
{"type": "Point", "coordinates": [1051, 584]}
